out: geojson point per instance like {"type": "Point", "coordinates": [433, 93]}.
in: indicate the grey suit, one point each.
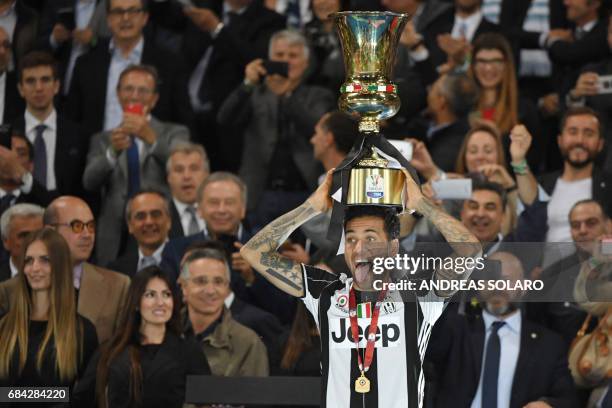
{"type": "Point", "coordinates": [111, 181]}
{"type": "Point", "coordinates": [257, 111]}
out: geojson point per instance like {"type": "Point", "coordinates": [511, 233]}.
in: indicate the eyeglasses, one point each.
{"type": "Point", "coordinates": [494, 62]}
{"type": "Point", "coordinates": [140, 91]}
{"type": "Point", "coordinates": [120, 12]}
{"type": "Point", "coordinates": [203, 281]}
{"type": "Point", "coordinates": [77, 226]}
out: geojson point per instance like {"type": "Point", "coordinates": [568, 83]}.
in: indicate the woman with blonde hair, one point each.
{"type": "Point", "coordinates": [44, 341]}
{"type": "Point", "coordinates": [494, 71]}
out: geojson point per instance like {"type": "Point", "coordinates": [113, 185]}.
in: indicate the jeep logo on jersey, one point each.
{"type": "Point", "coordinates": [387, 333]}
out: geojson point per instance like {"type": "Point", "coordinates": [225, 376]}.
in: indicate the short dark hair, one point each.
{"type": "Point", "coordinates": [145, 69]}
{"type": "Point", "coordinates": [18, 134]}
{"type": "Point", "coordinates": [144, 3]}
{"type": "Point", "coordinates": [484, 184]}
{"type": "Point", "coordinates": [37, 59]}
{"type": "Point", "coordinates": [461, 93]}
{"type": "Point", "coordinates": [580, 111]}
{"type": "Point", "coordinates": [588, 201]}
{"type": "Point", "coordinates": [388, 215]}
{"type": "Point", "coordinates": [344, 128]}
{"type": "Point", "coordinates": [128, 205]}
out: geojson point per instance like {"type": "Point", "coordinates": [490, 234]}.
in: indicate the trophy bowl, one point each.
{"type": "Point", "coordinates": [369, 42]}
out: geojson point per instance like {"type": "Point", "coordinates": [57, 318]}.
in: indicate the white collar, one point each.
{"type": "Point", "coordinates": [136, 51]}
{"type": "Point", "coordinates": [31, 121]}
{"type": "Point", "coordinates": [229, 300]}
{"type": "Point", "coordinates": [181, 207]}
{"type": "Point", "coordinates": [472, 19]}
{"type": "Point", "coordinates": [513, 322]}
{"type": "Point", "coordinates": [588, 26]}
{"type": "Point", "coordinates": [15, 192]}
{"type": "Point", "coordinates": [228, 9]}
{"type": "Point", "coordinates": [10, 11]}
{"type": "Point", "coordinates": [14, 269]}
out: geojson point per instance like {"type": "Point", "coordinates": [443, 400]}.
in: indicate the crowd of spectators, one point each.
{"type": "Point", "coordinates": [144, 142]}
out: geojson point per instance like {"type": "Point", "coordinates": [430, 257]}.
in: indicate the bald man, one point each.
{"type": "Point", "coordinates": [101, 293]}
{"type": "Point", "coordinates": [502, 358]}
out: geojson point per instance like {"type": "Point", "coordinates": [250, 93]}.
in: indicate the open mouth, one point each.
{"type": "Point", "coordinates": [362, 268]}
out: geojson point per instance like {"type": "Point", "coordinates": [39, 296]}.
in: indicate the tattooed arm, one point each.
{"type": "Point", "coordinates": [261, 251]}
{"type": "Point", "coordinates": [461, 240]}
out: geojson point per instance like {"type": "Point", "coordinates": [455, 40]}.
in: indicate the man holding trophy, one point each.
{"type": "Point", "coordinates": [373, 339]}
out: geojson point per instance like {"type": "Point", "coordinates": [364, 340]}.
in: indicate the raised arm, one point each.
{"type": "Point", "coordinates": [261, 250]}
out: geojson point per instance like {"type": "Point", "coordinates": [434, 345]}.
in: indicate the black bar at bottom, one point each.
{"type": "Point", "coordinates": [203, 389]}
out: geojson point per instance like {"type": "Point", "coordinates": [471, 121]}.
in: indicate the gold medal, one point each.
{"type": "Point", "coordinates": [362, 384]}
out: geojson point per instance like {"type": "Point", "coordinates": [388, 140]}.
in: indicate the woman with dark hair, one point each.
{"type": "Point", "coordinates": [147, 362]}
{"type": "Point", "coordinates": [495, 73]}
{"type": "Point", "coordinates": [302, 352]}
{"type": "Point", "coordinates": [44, 342]}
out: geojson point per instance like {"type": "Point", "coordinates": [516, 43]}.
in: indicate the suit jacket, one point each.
{"type": "Point", "coordinates": [601, 188]}
{"type": "Point", "coordinates": [176, 230]}
{"type": "Point", "coordinates": [86, 101]}
{"type": "Point", "coordinates": [5, 271]}
{"type": "Point", "coordinates": [569, 57]}
{"type": "Point", "coordinates": [127, 263]}
{"type": "Point", "coordinates": [70, 151]}
{"type": "Point", "coordinates": [266, 325]}
{"type": "Point", "coordinates": [14, 105]}
{"type": "Point", "coordinates": [456, 349]}
{"type": "Point", "coordinates": [102, 296]}
{"type": "Point", "coordinates": [443, 25]}
{"type": "Point", "coordinates": [26, 31]}
{"type": "Point", "coordinates": [238, 43]}
{"type": "Point", "coordinates": [512, 18]}
{"type": "Point", "coordinates": [257, 110]}
{"type": "Point", "coordinates": [100, 175]}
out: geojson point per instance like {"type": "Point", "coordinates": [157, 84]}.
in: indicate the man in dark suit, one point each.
{"type": "Point", "coordinates": [70, 38]}
{"type": "Point", "coordinates": [557, 311]}
{"type": "Point", "coordinates": [15, 224]}
{"type": "Point", "coordinates": [186, 169]}
{"type": "Point", "coordinates": [279, 115]}
{"type": "Point", "coordinates": [11, 103]}
{"type": "Point", "coordinates": [493, 354]}
{"type": "Point", "coordinates": [219, 39]}
{"type": "Point", "coordinates": [448, 36]}
{"type": "Point", "coordinates": [570, 50]}
{"type": "Point", "coordinates": [58, 146]}
{"type": "Point", "coordinates": [94, 104]}
{"type": "Point", "coordinates": [148, 218]}
{"type": "Point", "coordinates": [451, 98]}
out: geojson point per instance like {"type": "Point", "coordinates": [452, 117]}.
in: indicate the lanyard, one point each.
{"type": "Point", "coordinates": [364, 365]}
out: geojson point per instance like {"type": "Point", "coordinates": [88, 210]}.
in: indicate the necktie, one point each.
{"type": "Point", "coordinates": [194, 227]}
{"type": "Point", "coordinates": [40, 156]}
{"type": "Point", "coordinates": [6, 202]}
{"type": "Point", "coordinates": [463, 30]}
{"type": "Point", "coordinates": [490, 373]}
{"type": "Point", "coordinates": [294, 18]}
{"type": "Point", "coordinates": [579, 33]}
{"type": "Point", "coordinates": [146, 261]}
{"type": "Point", "coordinates": [133, 164]}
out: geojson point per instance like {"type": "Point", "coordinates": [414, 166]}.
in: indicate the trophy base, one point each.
{"type": "Point", "coordinates": [375, 186]}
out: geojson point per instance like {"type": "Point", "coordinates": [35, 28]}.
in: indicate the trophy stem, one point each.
{"type": "Point", "coordinates": [368, 124]}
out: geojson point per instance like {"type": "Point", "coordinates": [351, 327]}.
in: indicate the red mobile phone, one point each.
{"type": "Point", "coordinates": [135, 108]}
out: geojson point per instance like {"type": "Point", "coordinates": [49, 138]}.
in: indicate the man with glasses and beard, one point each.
{"type": "Point", "coordinates": [580, 141]}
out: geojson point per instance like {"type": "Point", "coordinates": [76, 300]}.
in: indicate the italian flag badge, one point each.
{"type": "Point", "coordinates": [364, 310]}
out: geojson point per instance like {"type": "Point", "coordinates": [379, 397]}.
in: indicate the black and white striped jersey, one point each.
{"type": "Point", "coordinates": [404, 327]}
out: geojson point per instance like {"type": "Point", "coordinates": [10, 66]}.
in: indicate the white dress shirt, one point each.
{"type": "Point", "coordinates": [510, 342]}
{"type": "Point", "coordinates": [50, 138]}
{"type": "Point", "coordinates": [470, 23]}
{"type": "Point", "coordinates": [2, 95]}
{"type": "Point", "coordinates": [14, 270]}
{"type": "Point", "coordinates": [157, 255]}
{"type": "Point", "coordinates": [185, 216]}
{"type": "Point", "coordinates": [113, 113]}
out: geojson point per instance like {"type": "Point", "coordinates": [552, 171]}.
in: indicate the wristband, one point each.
{"type": "Point", "coordinates": [520, 168]}
{"type": "Point", "coordinates": [595, 263]}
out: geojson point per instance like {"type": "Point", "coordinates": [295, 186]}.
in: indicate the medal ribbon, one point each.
{"type": "Point", "coordinates": [364, 366]}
